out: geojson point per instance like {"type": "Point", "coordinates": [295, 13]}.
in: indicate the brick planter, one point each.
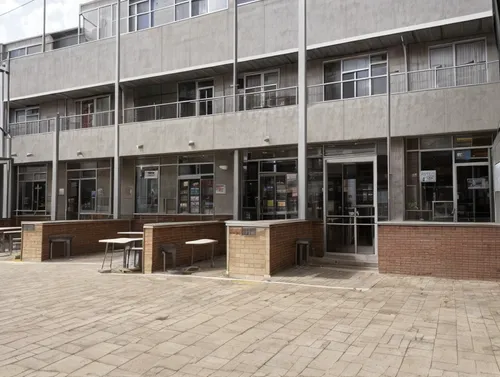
{"type": "Point", "coordinates": [458, 251]}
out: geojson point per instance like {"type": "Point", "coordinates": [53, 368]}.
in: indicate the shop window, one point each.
{"type": "Point", "coordinates": [146, 200]}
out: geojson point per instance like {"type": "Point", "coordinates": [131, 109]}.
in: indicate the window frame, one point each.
{"type": "Point", "coordinates": [355, 80]}
{"type": "Point", "coordinates": [262, 86]}
{"type": "Point", "coordinates": [25, 110]}
{"type": "Point", "coordinates": [45, 171]}
{"type": "Point", "coordinates": [454, 50]}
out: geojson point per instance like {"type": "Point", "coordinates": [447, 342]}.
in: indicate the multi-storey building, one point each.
{"type": "Point", "coordinates": [180, 133]}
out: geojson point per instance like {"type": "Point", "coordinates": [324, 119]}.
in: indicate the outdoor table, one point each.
{"type": "Point", "coordinates": [10, 235]}
{"type": "Point", "coordinates": [204, 241]}
{"type": "Point", "coordinates": [7, 229]}
{"type": "Point", "coordinates": [117, 241]}
{"type": "Point", "coordinates": [131, 233]}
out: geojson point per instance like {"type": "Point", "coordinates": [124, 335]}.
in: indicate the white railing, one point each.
{"type": "Point", "coordinates": [436, 78]}
{"type": "Point", "coordinates": [32, 127]}
{"type": "Point", "coordinates": [211, 106]}
{"type": "Point", "coordinates": [75, 122]}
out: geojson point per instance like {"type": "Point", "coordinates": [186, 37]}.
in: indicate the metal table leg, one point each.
{"type": "Point", "coordinates": [103, 261]}
{"type": "Point", "coordinates": [192, 255]}
{"type": "Point", "coordinates": [213, 249]}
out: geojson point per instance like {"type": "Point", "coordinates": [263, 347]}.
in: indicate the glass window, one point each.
{"type": "Point", "coordinates": [199, 7]}
{"type": "Point", "coordinates": [168, 187]}
{"type": "Point", "coordinates": [34, 49]}
{"type": "Point", "coordinates": [32, 189]}
{"type": "Point", "coordinates": [103, 195]}
{"type": "Point", "coordinates": [105, 22]}
{"type": "Point", "coordinates": [90, 24]}
{"type": "Point", "coordinates": [17, 52]}
{"type": "Point", "coordinates": [435, 142]}
{"type": "Point", "coordinates": [146, 190]}
{"type": "Point", "coordinates": [181, 10]}
{"type": "Point", "coordinates": [472, 140]}
{"type": "Point", "coordinates": [355, 77]}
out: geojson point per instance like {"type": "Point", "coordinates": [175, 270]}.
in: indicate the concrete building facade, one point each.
{"type": "Point", "coordinates": [183, 138]}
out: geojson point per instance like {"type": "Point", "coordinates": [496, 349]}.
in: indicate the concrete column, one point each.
{"type": "Point", "coordinates": [235, 57]}
{"type": "Point", "coordinates": [397, 198]}
{"type": "Point", "coordinates": [302, 121]}
{"type": "Point", "coordinates": [55, 170]}
{"type": "Point", "coordinates": [116, 162]}
{"type": "Point", "coordinates": [389, 172]}
{"type": "Point", "coordinates": [3, 117]}
{"type": "Point", "coordinates": [236, 185]}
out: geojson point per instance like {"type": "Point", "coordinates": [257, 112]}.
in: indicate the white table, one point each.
{"type": "Point", "coordinates": [131, 233]}
{"type": "Point", "coordinates": [204, 241]}
{"type": "Point", "coordinates": [117, 241]}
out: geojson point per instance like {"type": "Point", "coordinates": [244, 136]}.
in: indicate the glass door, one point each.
{"type": "Point", "coordinates": [87, 195]}
{"type": "Point", "coordinates": [72, 208]}
{"type": "Point", "coordinates": [351, 206]}
{"type": "Point", "coordinates": [87, 113]}
{"type": "Point", "coordinates": [267, 197]}
{"type": "Point", "coordinates": [472, 195]}
{"type": "Point", "coordinates": [205, 107]}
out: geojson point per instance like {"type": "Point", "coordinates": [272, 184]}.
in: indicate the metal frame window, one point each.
{"type": "Point", "coordinates": [28, 114]}
{"type": "Point", "coordinates": [260, 89]}
{"type": "Point", "coordinates": [26, 50]}
{"type": "Point", "coordinates": [32, 190]}
{"type": "Point", "coordinates": [354, 77]}
{"type": "Point", "coordinates": [161, 180]}
{"type": "Point", "coordinates": [192, 104]}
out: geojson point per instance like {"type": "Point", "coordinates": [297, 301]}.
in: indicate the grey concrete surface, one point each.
{"type": "Point", "coordinates": [65, 319]}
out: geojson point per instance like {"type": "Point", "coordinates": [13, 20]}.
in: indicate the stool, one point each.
{"type": "Point", "coordinates": [299, 244]}
{"type": "Point", "coordinates": [137, 256]}
{"type": "Point", "coordinates": [65, 239]}
{"type": "Point", "coordinates": [165, 249]}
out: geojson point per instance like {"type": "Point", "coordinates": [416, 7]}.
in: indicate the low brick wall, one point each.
{"type": "Point", "coordinates": [458, 251]}
{"type": "Point", "coordinates": [178, 233]}
{"type": "Point", "coordinates": [87, 233]}
{"type": "Point", "coordinates": [140, 220]}
{"type": "Point", "coordinates": [259, 249]}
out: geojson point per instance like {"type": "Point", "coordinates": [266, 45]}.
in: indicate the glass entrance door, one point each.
{"type": "Point", "coordinates": [472, 196]}
{"type": "Point", "coordinates": [351, 206]}
{"type": "Point", "coordinates": [278, 196]}
{"type": "Point", "coordinates": [81, 198]}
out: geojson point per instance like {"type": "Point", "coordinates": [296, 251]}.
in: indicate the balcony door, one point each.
{"type": "Point", "coordinates": [260, 90]}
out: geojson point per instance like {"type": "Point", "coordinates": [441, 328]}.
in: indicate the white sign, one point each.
{"type": "Point", "coordinates": [150, 174]}
{"type": "Point", "coordinates": [220, 189]}
{"type": "Point", "coordinates": [477, 183]}
{"type": "Point", "coordinates": [427, 176]}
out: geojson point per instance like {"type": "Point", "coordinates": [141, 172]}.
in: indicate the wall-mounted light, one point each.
{"type": "Point", "coordinates": [79, 153]}
{"type": "Point", "coordinates": [29, 154]}
{"type": "Point", "coordinates": [266, 139]}
{"type": "Point", "coordinates": [223, 167]}
{"type": "Point", "coordinates": [139, 146]}
{"type": "Point", "coordinates": [191, 143]}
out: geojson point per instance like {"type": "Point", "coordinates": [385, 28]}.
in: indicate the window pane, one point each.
{"type": "Point", "coordinates": [333, 71]}
{"type": "Point", "coordinates": [348, 76]}
{"type": "Point", "coordinates": [333, 91]}
{"type": "Point", "coordinates": [146, 192]}
{"type": "Point", "coordinates": [435, 142]}
{"type": "Point", "coordinates": [379, 69]}
{"type": "Point", "coordinates": [105, 22]}
{"type": "Point", "coordinates": [34, 49]}
{"type": "Point", "coordinates": [132, 10]}
{"type": "Point", "coordinates": [168, 187]}
{"type": "Point", "coordinates": [271, 78]}
{"type": "Point", "coordinates": [104, 191]}
{"type": "Point", "coordinates": [412, 144]}
{"type": "Point", "coordinates": [379, 85]}
{"type": "Point", "coordinates": [362, 74]}
{"type": "Point", "coordinates": [441, 57]}
{"type": "Point", "coordinates": [18, 52]}
{"type": "Point", "coordinates": [379, 58]}
{"type": "Point", "coordinates": [199, 7]}
{"type": "Point", "coordinates": [89, 23]}
{"type": "Point", "coordinates": [355, 64]}
{"type": "Point", "coordinates": [472, 141]}
{"type": "Point", "coordinates": [162, 3]}
{"type": "Point", "coordinates": [163, 16]}
{"type": "Point", "coordinates": [143, 7]}
{"type": "Point", "coordinates": [253, 81]}
{"type": "Point", "coordinates": [182, 11]}
{"type": "Point", "coordinates": [362, 88]}
{"type": "Point", "coordinates": [215, 5]}
{"type": "Point", "coordinates": [348, 89]}
{"type": "Point", "coordinates": [143, 21]}
{"type": "Point", "coordinates": [471, 52]}
{"type": "Point", "coordinates": [131, 24]}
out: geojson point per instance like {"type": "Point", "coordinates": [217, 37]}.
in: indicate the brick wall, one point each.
{"type": "Point", "coordinates": [140, 220]}
{"type": "Point", "coordinates": [87, 233]}
{"type": "Point", "coordinates": [283, 239]}
{"type": "Point", "coordinates": [317, 229]}
{"type": "Point", "coordinates": [7, 222]}
{"type": "Point", "coordinates": [249, 252]}
{"type": "Point", "coordinates": [163, 233]}
{"type": "Point", "coordinates": [458, 252]}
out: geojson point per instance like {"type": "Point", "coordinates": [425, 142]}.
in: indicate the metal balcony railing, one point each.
{"type": "Point", "coordinates": [401, 82]}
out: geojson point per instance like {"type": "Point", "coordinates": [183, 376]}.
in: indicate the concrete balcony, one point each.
{"type": "Point", "coordinates": [269, 118]}
{"type": "Point", "coordinates": [266, 29]}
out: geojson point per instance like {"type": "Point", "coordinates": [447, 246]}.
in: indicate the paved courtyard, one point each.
{"type": "Point", "coordinates": [65, 319]}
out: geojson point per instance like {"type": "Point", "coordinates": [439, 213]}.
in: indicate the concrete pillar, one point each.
{"type": "Point", "coordinates": [397, 198]}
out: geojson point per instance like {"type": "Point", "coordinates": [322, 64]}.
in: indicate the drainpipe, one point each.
{"type": "Point", "coordinates": [388, 139]}
{"type": "Point", "coordinates": [302, 111]}
{"type": "Point", "coordinates": [406, 62]}
{"type": "Point", "coordinates": [116, 165]}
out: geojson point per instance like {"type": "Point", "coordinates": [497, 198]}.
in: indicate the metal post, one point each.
{"type": "Point", "coordinates": [55, 171]}
{"type": "Point", "coordinates": [236, 185]}
{"type": "Point", "coordinates": [235, 57]}
{"type": "Point", "coordinates": [2, 144]}
{"type": "Point", "coordinates": [43, 24]}
{"type": "Point", "coordinates": [302, 143]}
{"type": "Point", "coordinates": [9, 143]}
{"type": "Point", "coordinates": [388, 140]}
{"type": "Point", "coordinates": [116, 165]}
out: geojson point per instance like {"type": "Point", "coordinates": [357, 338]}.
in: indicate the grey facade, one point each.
{"type": "Point", "coordinates": [162, 120]}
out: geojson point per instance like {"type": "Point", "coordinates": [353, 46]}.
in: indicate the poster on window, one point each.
{"type": "Point", "coordinates": [150, 174]}
{"type": "Point", "coordinates": [477, 183]}
{"type": "Point", "coordinates": [427, 176]}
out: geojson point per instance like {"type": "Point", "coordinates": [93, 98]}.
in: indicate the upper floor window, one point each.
{"type": "Point", "coordinates": [26, 115]}
{"type": "Point", "coordinates": [27, 50]}
{"type": "Point", "coordinates": [356, 77]}
{"type": "Point", "coordinates": [462, 63]}
{"type": "Point", "coordinates": [261, 89]}
{"type": "Point", "coordinates": [195, 98]}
